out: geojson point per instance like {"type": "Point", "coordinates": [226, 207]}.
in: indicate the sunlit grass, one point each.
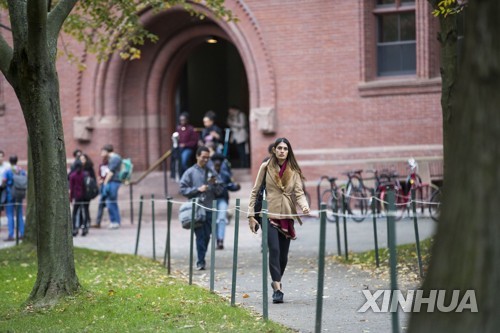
{"type": "Point", "coordinates": [120, 293]}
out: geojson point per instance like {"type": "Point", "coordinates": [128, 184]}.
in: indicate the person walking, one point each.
{"type": "Point", "coordinates": [283, 178]}
{"type": "Point", "coordinates": [77, 197]}
{"type": "Point", "coordinates": [199, 181]}
{"type": "Point", "coordinates": [188, 142]}
{"type": "Point", "coordinates": [223, 199]}
{"type": "Point", "coordinates": [237, 121]}
{"type": "Point", "coordinates": [103, 171]}
{"type": "Point", "coordinates": [4, 166]}
{"type": "Point", "coordinates": [211, 133]}
{"type": "Point", "coordinates": [14, 197]}
{"type": "Point", "coordinates": [112, 184]}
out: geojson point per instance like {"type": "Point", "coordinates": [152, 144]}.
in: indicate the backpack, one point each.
{"type": "Point", "coordinates": [126, 169]}
{"type": "Point", "coordinates": [90, 187]}
{"type": "Point", "coordinates": [19, 186]}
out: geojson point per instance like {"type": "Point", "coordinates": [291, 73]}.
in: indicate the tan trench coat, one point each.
{"type": "Point", "coordinates": [282, 194]}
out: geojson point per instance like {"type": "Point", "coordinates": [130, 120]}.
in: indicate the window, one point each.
{"type": "Point", "coordinates": [396, 37]}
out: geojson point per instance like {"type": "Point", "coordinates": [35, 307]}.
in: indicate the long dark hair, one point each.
{"type": "Point", "coordinates": [291, 161]}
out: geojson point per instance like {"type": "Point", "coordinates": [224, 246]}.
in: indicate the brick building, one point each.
{"type": "Point", "coordinates": [350, 83]}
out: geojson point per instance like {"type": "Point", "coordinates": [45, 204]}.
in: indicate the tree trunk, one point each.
{"type": "Point", "coordinates": [37, 88]}
{"type": "Point", "coordinates": [467, 251]}
{"type": "Point", "coordinates": [447, 37]}
{"type": "Point", "coordinates": [30, 230]}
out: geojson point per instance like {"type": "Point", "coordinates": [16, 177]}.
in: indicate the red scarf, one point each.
{"type": "Point", "coordinates": [282, 169]}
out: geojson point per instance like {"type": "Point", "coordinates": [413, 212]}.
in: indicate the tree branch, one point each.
{"type": "Point", "coordinates": [5, 57]}
{"type": "Point", "coordinates": [57, 17]}
{"type": "Point", "coordinates": [17, 10]}
{"type": "Point", "coordinates": [37, 28]}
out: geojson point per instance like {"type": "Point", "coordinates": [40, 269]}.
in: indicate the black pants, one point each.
{"type": "Point", "coordinates": [278, 252]}
{"type": "Point", "coordinates": [80, 216]}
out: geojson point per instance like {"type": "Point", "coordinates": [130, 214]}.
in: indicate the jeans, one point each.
{"type": "Point", "coordinates": [203, 238]}
{"type": "Point", "coordinates": [80, 216]}
{"type": "Point", "coordinates": [9, 211]}
{"type": "Point", "coordinates": [112, 201]}
{"type": "Point", "coordinates": [221, 218]}
{"type": "Point", "coordinates": [102, 204]}
{"type": "Point", "coordinates": [278, 252]}
{"type": "Point", "coordinates": [186, 157]}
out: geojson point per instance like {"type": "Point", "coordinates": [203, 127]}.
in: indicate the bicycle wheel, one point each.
{"type": "Point", "coordinates": [400, 204]}
{"type": "Point", "coordinates": [435, 205]}
{"type": "Point", "coordinates": [332, 205]}
{"type": "Point", "coordinates": [357, 206]}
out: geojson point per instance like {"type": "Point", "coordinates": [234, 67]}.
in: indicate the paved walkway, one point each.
{"type": "Point", "coordinates": [343, 284]}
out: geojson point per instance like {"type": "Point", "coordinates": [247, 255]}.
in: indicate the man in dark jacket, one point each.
{"type": "Point", "coordinates": [199, 181]}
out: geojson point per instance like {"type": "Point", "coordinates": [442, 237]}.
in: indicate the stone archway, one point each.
{"type": "Point", "coordinates": [130, 97]}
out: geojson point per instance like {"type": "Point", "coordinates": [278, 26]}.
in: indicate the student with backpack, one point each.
{"type": "Point", "coordinates": [78, 196]}
{"type": "Point", "coordinates": [112, 183]}
{"type": "Point", "coordinates": [15, 181]}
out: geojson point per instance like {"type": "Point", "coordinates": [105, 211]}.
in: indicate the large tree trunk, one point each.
{"type": "Point", "coordinates": [37, 88]}
{"type": "Point", "coordinates": [467, 251]}
{"type": "Point", "coordinates": [30, 230]}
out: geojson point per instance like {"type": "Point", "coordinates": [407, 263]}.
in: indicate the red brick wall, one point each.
{"type": "Point", "coordinates": [327, 100]}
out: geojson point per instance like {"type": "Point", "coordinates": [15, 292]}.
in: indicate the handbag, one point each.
{"type": "Point", "coordinates": [259, 199]}
{"type": "Point", "coordinates": [186, 212]}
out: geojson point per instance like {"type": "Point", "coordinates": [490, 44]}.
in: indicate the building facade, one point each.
{"type": "Point", "coordinates": [352, 84]}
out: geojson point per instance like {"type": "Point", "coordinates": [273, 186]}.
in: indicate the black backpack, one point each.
{"type": "Point", "coordinates": [90, 187]}
{"type": "Point", "coordinates": [19, 186]}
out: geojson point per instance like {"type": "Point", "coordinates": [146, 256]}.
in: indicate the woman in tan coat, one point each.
{"type": "Point", "coordinates": [284, 191]}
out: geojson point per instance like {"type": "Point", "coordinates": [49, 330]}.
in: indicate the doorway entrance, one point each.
{"type": "Point", "coordinates": [213, 78]}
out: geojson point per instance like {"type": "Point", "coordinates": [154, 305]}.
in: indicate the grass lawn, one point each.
{"type": "Point", "coordinates": [120, 293]}
{"type": "Point", "coordinates": [407, 262]}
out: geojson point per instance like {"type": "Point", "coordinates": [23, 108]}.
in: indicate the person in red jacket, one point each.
{"type": "Point", "coordinates": [188, 142]}
{"type": "Point", "coordinates": [77, 197]}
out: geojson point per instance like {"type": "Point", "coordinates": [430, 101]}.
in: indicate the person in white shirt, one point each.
{"type": "Point", "coordinates": [4, 166]}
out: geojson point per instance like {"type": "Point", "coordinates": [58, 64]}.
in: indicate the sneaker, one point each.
{"type": "Point", "coordinates": [97, 226]}
{"type": "Point", "coordinates": [85, 231]}
{"type": "Point", "coordinates": [9, 239]}
{"type": "Point", "coordinates": [200, 267]}
{"type": "Point", "coordinates": [278, 296]}
{"type": "Point", "coordinates": [114, 225]}
{"type": "Point", "coordinates": [220, 244]}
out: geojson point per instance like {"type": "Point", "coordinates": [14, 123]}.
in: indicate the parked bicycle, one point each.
{"type": "Point", "coordinates": [423, 193]}
{"type": "Point", "coordinates": [356, 195]}
{"type": "Point", "coordinates": [330, 197]}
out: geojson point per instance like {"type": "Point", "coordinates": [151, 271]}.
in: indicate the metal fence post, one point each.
{"type": "Point", "coordinates": [235, 251]}
{"type": "Point", "coordinates": [193, 211]}
{"type": "Point", "coordinates": [139, 225]}
{"type": "Point", "coordinates": [264, 260]}
{"type": "Point", "coordinates": [391, 237]}
{"type": "Point", "coordinates": [344, 209]}
{"type": "Point", "coordinates": [153, 224]}
{"type": "Point", "coordinates": [214, 239]}
{"type": "Point", "coordinates": [166, 256]}
{"type": "Point", "coordinates": [131, 197]}
{"type": "Point", "coordinates": [417, 236]}
{"type": "Point", "coordinates": [321, 268]}
{"type": "Point", "coordinates": [375, 236]}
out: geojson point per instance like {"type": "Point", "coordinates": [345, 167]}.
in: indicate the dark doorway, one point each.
{"type": "Point", "coordinates": [213, 78]}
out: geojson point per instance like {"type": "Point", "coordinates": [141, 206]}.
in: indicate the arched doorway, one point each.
{"type": "Point", "coordinates": [140, 100]}
{"type": "Point", "coordinates": [213, 78]}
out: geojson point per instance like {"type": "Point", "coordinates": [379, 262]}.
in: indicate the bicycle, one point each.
{"type": "Point", "coordinates": [355, 197]}
{"type": "Point", "coordinates": [330, 197]}
{"type": "Point", "coordinates": [435, 205]}
{"type": "Point", "coordinates": [423, 192]}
